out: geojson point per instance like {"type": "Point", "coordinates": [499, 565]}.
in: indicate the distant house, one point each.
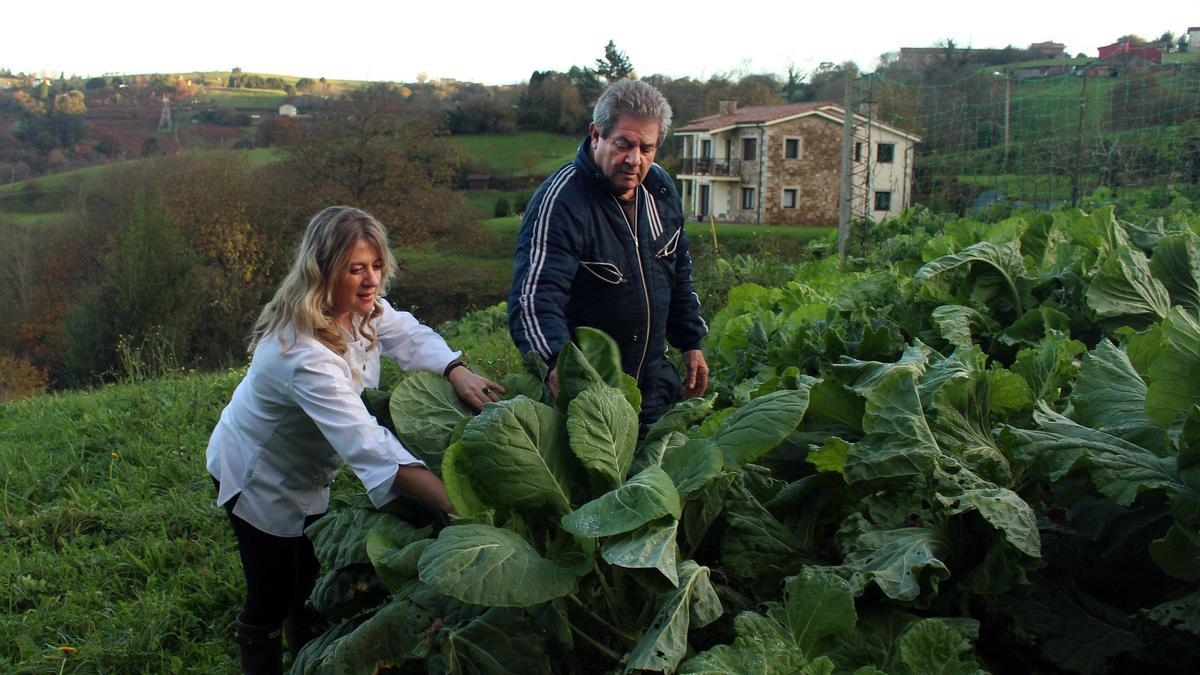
{"type": "Point", "coordinates": [1193, 36]}
{"type": "Point", "coordinates": [478, 181]}
{"type": "Point", "coordinates": [781, 164]}
{"type": "Point", "coordinates": [287, 110]}
{"type": "Point", "coordinates": [1120, 58]}
{"type": "Point", "coordinates": [1048, 50]}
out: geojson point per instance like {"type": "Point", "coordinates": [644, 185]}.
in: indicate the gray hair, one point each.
{"type": "Point", "coordinates": [635, 98]}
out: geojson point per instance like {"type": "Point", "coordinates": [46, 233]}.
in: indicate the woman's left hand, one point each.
{"type": "Point", "coordinates": [475, 390]}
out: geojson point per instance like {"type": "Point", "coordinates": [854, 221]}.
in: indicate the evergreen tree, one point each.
{"type": "Point", "coordinates": [615, 65]}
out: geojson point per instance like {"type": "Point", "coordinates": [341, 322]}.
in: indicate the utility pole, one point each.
{"type": "Point", "coordinates": [1077, 165]}
{"type": "Point", "coordinates": [847, 147]}
{"type": "Point", "coordinates": [164, 118]}
{"type": "Point", "coordinates": [1007, 108]}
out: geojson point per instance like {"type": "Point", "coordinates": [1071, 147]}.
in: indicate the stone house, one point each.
{"type": "Point", "coordinates": [782, 165]}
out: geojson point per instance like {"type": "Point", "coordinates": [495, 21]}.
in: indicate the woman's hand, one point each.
{"type": "Point", "coordinates": [473, 389]}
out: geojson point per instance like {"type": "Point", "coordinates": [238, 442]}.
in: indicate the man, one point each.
{"type": "Point", "coordinates": [602, 245]}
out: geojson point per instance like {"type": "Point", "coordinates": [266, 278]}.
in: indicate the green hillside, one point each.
{"type": "Point", "coordinates": [529, 153]}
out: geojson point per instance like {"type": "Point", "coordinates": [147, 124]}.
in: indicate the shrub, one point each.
{"type": "Point", "coordinates": [19, 378]}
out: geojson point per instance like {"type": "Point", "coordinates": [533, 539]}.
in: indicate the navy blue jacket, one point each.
{"type": "Point", "coordinates": [578, 264]}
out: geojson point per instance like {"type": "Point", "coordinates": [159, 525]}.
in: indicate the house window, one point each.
{"type": "Point", "coordinates": [747, 198]}
{"type": "Point", "coordinates": [706, 149]}
{"type": "Point", "coordinates": [883, 201]}
{"type": "Point", "coordinates": [749, 148]}
{"type": "Point", "coordinates": [791, 198]}
{"type": "Point", "coordinates": [885, 153]}
{"type": "Point", "coordinates": [858, 151]}
{"type": "Point", "coordinates": [791, 148]}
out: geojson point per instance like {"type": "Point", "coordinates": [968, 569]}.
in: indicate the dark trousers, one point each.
{"type": "Point", "coordinates": [280, 571]}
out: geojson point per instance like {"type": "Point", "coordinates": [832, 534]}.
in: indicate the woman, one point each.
{"type": "Point", "coordinates": [298, 415]}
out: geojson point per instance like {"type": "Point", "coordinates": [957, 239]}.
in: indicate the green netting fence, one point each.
{"type": "Point", "coordinates": [1044, 137]}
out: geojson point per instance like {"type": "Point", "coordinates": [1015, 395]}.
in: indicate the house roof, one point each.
{"type": "Point", "coordinates": [771, 114]}
{"type": "Point", "coordinates": [758, 114]}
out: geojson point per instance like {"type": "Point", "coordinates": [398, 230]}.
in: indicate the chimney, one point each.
{"type": "Point", "coordinates": [727, 107]}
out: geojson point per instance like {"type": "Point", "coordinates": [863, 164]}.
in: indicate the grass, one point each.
{"type": "Point", "coordinates": [116, 558]}
{"type": "Point", "coordinates": [732, 233]}
{"type": "Point", "coordinates": [484, 201]}
{"type": "Point", "coordinates": [527, 153]}
{"type": "Point", "coordinates": [247, 99]}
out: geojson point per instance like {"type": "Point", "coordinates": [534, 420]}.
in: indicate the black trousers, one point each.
{"type": "Point", "coordinates": [280, 571]}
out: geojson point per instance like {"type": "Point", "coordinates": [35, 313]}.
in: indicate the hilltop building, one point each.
{"type": "Point", "coordinates": [781, 164]}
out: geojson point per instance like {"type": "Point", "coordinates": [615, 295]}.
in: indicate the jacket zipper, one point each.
{"type": "Point", "coordinates": [637, 249]}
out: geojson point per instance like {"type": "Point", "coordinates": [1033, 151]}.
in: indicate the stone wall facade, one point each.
{"type": "Point", "coordinates": [814, 174]}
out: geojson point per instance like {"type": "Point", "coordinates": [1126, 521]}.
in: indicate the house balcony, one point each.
{"type": "Point", "coordinates": [717, 168]}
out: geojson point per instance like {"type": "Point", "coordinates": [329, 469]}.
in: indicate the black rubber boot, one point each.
{"type": "Point", "coordinates": [261, 648]}
{"type": "Point", "coordinates": [302, 626]}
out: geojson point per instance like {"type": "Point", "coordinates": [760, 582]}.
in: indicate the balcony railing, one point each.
{"type": "Point", "coordinates": [711, 166]}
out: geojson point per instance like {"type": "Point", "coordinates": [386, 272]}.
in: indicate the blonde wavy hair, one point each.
{"type": "Point", "coordinates": [303, 300]}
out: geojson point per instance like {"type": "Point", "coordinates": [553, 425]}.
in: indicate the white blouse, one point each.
{"type": "Point", "coordinates": [298, 414]}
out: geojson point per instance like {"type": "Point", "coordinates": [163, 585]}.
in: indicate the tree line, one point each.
{"type": "Point", "coordinates": [166, 263]}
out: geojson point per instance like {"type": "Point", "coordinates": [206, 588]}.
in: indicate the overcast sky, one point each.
{"type": "Point", "coordinates": [503, 42]}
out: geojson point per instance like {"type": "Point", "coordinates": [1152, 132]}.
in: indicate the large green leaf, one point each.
{"type": "Point", "coordinates": [641, 499]}
{"type": "Point", "coordinates": [958, 324]}
{"type": "Point", "coordinates": [704, 506]}
{"type": "Point", "coordinates": [817, 605]}
{"type": "Point", "coordinates": [1050, 366]}
{"type": "Point", "coordinates": [396, 566]}
{"type": "Point", "coordinates": [1110, 396]}
{"type": "Point", "coordinates": [832, 405]}
{"type": "Point", "coordinates": [595, 360]}
{"type": "Point", "coordinates": [483, 565]}
{"type": "Point", "coordinates": [519, 454]}
{"type": "Point", "coordinates": [340, 537]}
{"type": "Point", "coordinates": [1123, 291]}
{"type": "Point", "coordinates": [386, 546]}
{"type": "Point", "coordinates": [390, 637]}
{"type": "Point", "coordinates": [1176, 263]}
{"type": "Point", "coordinates": [603, 429]}
{"type": "Point", "coordinates": [1119, 469]}
{"type": "Point", "coordinates": [682, 415]}
{"type": "Point", "coordinates": [1182, 614]}
{"type": "Point", "coordinates": [1174, 377]}
{"type": "Point", "coordinates": [865, 376]}
{"type": "Point", "coordinates": [693, 603]}
{"type": "Point", "coordinates": [692, 465]}
{"type": "Point", "coordinates": [425, 410]}
{"type": "Point", "coordinates": [963, 426]}
{"type": "Point", "coordinates": [902, 562]}
{"type": "Point", "coordinates": [756, 545]}
{"type": "Point", "coordinates": [1034, 325]}
{"type": "Point", "coordinates": [760, 648]}
{"type": "Point", "coordinates": [818, 608]}
{"type": "Point", "coordinates": [501, 641]}
{"type": "Point", "coordinates": [347, 591]}
{"type": "Point", "coordinates": [1177, 553]}
{"type": "Point", "coordinates": [998, 272]}
{"type": "Point", "coordinates": [936, 646]}
{"type": "Point", "coordinates": [757, 427]}
{"type": "Point", "coordinates": [1003, 509]}
{"type": "Point", "coordinates": [456, 475]}
{"type": "Point", "coordinates": [899, 441]}
{"type": "Point", "coordinates": [651, 546]}
{"type": "Point", "coordinates": [1074, 631]}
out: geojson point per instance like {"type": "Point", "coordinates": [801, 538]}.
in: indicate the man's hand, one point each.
{"type": "Point", "coordinates": [695, 373]}
{"type": "Point", "coordinates": [552, 383]}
